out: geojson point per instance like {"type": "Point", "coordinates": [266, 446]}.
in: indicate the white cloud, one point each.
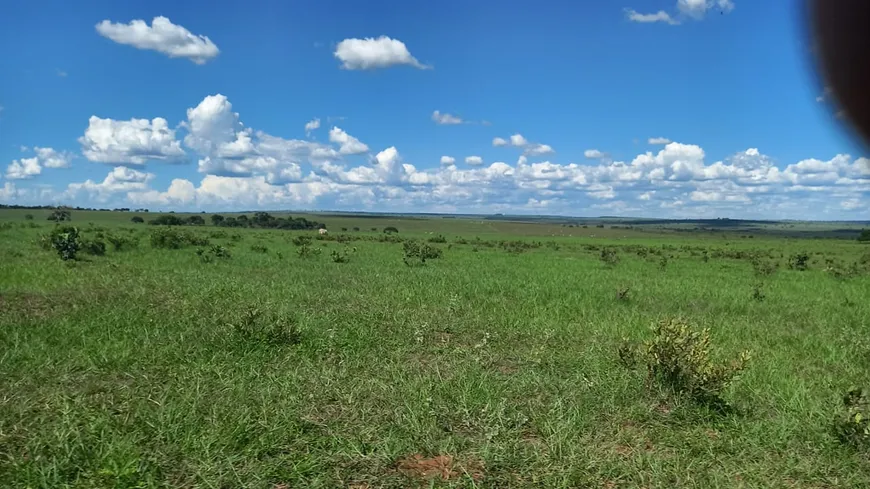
{"type": "Point", "coordinates": [120, 179]}
{"type": "Point", "coordinates": [447, 160]}
{"type": "Point", "coordinates": [311, 126]}
{"type": "Point", "coordinates": [61, 73]}
{"type": "Point", "coordinates": [658, 140]}
{"type": "Point", "coordinates": [50, 158]}
{"type": "Point", "coordinates": [499, 142]}
{"type": "Point", "coordinates": [133, 142]}
{"type": "Point", "coordinates": [162, 36]}
{"type": "Point", "coordinates": [23, 168]}
{"type": "Point", "coordinates": [593, 154]}
{"type": "Point", "coordinates": [371, 53]}
{"type": "Point", "coordinates": [474, 160]}
{"type": "Point", "coordinates": [660, 16]}
{"type": "Point", "coordinates": [349, 145]}
{"type": "Point", "coordinates": [445, 119]}
{"type": "Point", "coordinates": [687, 9]}
{"type": "Point", "coordinates": [518, 140]}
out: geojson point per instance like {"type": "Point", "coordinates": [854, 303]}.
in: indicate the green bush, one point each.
{"type": "Point", "coordinates": [94, 247]}
{"type": "Point", "coordinates": [168, 238]}
{"type": "Point", "coordinates": [852, 425]}
{"type": "Point", "coordinates": [799, 261]}
{"type": "Point", "coordinates": [609, 257]}
{"type": "Point", "coordinates": [255, 327]}
{"type": "Point", "coordinates": [65, 241]}
{"type": "Point", "coordinates": [438, 239]}
{"type": "Point", "coordinates": [137, 220]}
{"type": "Point", "coordinates": [301, 240]}
{"type": "Point", "coordinates": [120, 243]}
{"type": "Point", "coordinates": [763, 267]}
{"type": "Point", "coordinates": [342, 256]}
{"type": "Point", "coordinates": [259, 249]}
{"type": "Point", "coordinates": [306, 251]}
{"type": "Point", "coordinates": [390, 230]}
{"type": "Point", "coordinates": [678, 357]}
{"type": "Point", "coordinates": [416, 253]}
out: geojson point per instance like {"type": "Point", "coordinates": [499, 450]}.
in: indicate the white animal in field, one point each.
{"type": "Point", "coordinates": [323, 231]}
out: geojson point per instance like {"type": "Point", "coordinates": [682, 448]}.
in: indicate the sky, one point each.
{"type": "Point", "coordinates": [644, 108]}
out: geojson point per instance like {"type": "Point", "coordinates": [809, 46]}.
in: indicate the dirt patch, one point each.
{"type": "Point", "coordinates": [443, 467]}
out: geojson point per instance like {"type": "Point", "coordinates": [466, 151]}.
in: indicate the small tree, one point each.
{"type": "Point", "coordinates": [65, 241]}
{"type": "Point", "coordinates": [390, 230]}
{"type": "Point", "coordinates": [196, 220]}
{"type": "Point", "coordinates": [60, 215]}
{"type": "Point", "coordinates": [137, 219]}
{"type": "Point", "coordinates": [864, 237]}
{"type": "Point", "coordinates": [217, 219]}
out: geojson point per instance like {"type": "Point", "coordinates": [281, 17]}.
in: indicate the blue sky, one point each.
{"type": "Point", "coordinates": [109, 107]}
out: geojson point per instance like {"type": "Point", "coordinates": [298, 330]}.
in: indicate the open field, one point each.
{"type": "Point", "coordinates": [493, 366]}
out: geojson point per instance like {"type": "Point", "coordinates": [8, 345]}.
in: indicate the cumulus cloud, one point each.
{"type": "Point", "coordinates": [474, 160]}
{"type": "Point", "coordinates": [658, 140]}
{"type": "Point", "coordinates": [162, 36]}
{"type": "Point", "coordinates": [311, 126]}
{"type": "Point", "coordinates": [685, 9]}
{"type": "Point", "coordinates": [373, 53]}
{"type": "Point", "coordinates": [445, 119]}
{"type": "Point", "coordinates": [593, 154]}
{"type": "Point", "coordinates": [26, 168]}
{"type": "Point", "coordinates": [349, 145]}
{"type": "Point", "coordinates": [447, 160]}
{"type": "Point", "coordinates": [136, 141]}
{"type": "Point", "coordinates": [23, 168]}
{"type": "Point", "coordinates": [120, 179]}
{"type": "Point", "coordinates": [519, 141]}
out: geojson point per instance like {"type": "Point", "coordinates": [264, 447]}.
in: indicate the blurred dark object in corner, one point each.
{"type": "Point", "coordinates": [842, 35]}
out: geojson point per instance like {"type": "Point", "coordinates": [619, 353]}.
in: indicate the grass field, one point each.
{"type": "Point", "coordinates": [493, 366]}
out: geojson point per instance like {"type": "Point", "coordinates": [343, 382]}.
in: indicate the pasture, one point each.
{"type": "Point", "coordinates": [253, 358]}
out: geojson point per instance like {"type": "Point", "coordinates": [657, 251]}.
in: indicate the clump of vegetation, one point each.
{"type": "Point", "coordinates": [120, 243]}
{"type": "Point", "coordinates": [758, 292]}
{"type": "Point", "coordinates": [253, 326]}
{"type": "Point", "coordinates": [28, 217]}
{"type": "Point", "coordinates": [416, 253]}
{"type": "Point", "coordinates": [390, 230]}
{"type": "Point", "coordinates": [65, 241]}
{"type": "Point", "coordinates": [852, 425]}
{"type": "Point", "coordinates": [306, 251]}
{"type": "Point", "coordinates": [763, 267]}
{"type": "Point", "coordinates": [259, 249]}
{"type": "Point", "coordinates": [678, 357]}
{"type": "Point", "coordinates": [215, 251]}
{"type": "Point", "coordinates": [60, 215]}
{"type": "Point", "coordinates": [168, 238]}
{"type": "Point", "coordinates": [864, 237]}
{"type": "Point", "coordinates": [622, 294]}
{"type": "Point", "coordinates": [799, 261]}
{"type": "Point", "coordinates": [663, 263]}
{"type": "Point", "coordinates": [94, 247]}
{"type": "Point", "coordinates": [301, 240]}
{"type": "Point", "coordinates": [137, 220]}
{"type": "Point", "coordinates": [438, 239]}
{"type": "Point", "coordinates": [342, 256]}
{"type": "Point", "coordinates": [609, 257]}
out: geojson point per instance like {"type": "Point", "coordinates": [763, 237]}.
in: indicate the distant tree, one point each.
{"type": "Point", "coordinates": [242, 220]}
{"type": "Point", "coordinates": [167, 220]}
{"type": "Point", "coordinates": [390, 230]}
{"type": "Point", "coordinates": [217, 219]}
{"type": "Point", "coordinates": [28, 217]}
{"type": "Point", "coordinates": [344, 229]}
{"type": "Point", "coordinates": [375, 229]}
{"type": "Point", "coordinates": [196, 220]}
{"type": "Point", "coordinates": [355, 228]}
{"type": "Point", "coordinates": [864, 236]}
{"type": "Point", "coordinates": [60, 215]}
{"type": "Point", "coordinates": [137, 219]}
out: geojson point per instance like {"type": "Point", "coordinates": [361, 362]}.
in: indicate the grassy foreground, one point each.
{"type": "Point", "coordinates": [490, 368]}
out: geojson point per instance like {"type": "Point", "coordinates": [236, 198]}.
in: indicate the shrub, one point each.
{"type": "Point", "coordinates": [678, 357]}
{"type": "Point", "coordinates": [416, 253]}
{"type": "Point", "coordinates": [852, 425]}
{"type": "Point", "coordinates": [763, 267]}
{"type": "Point", "coordinates": [60, 215]}
{"type": "Point", "coordinates": [344, 230]}
{"type": "Point", "coordinates": [301, 240]}
{"type": "Point", "coordinates": [28, 217]}
{"type": "Point", "coordinates": [271, 330]}
{"type": "Point", "coordinates": [259, 249]}
{"type": "Point", "coordinates": [864, 236]}
{"type": "Point", "coordinates": [215, 251]}
{"type": "Point", "coordinates": [94, 247]}
{"type": "Point", "coordinates": [137, 220]}
{"type": "Point", "coordinates": [609, 257]}
{"type": "Point", "coordinates": [758, 292]}
{"type": "Point", "coordinates": [663, 263]}
{"type": "Point", "coordinates": [799, 261]}
{"type": "Point", "coordinates": [438, 239]}
{"type": "Point", "coordinates": [168, 238]}
{"type": "Point", "coordinates": [167, 220]}
{"type": "Point", "coordinates": [120, 243]}
{"type": "Point", "coordinates": [216, 219]}
{"type": "Point", "coordinates": [355, 228]}
{"type": "Point", "coordinates": [375, 229]}
{"type": "Point", "coordinates": [342, 256]}
{"type": "Point", "coordinates": [390, 230]}
{"type": "Point", "coordinates": [65, 241]}
{"type": "Point", "coordinates": [306, 251]}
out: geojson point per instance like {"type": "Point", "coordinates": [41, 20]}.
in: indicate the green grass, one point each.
{"type": "Point", "coordinates": [136, 369]}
